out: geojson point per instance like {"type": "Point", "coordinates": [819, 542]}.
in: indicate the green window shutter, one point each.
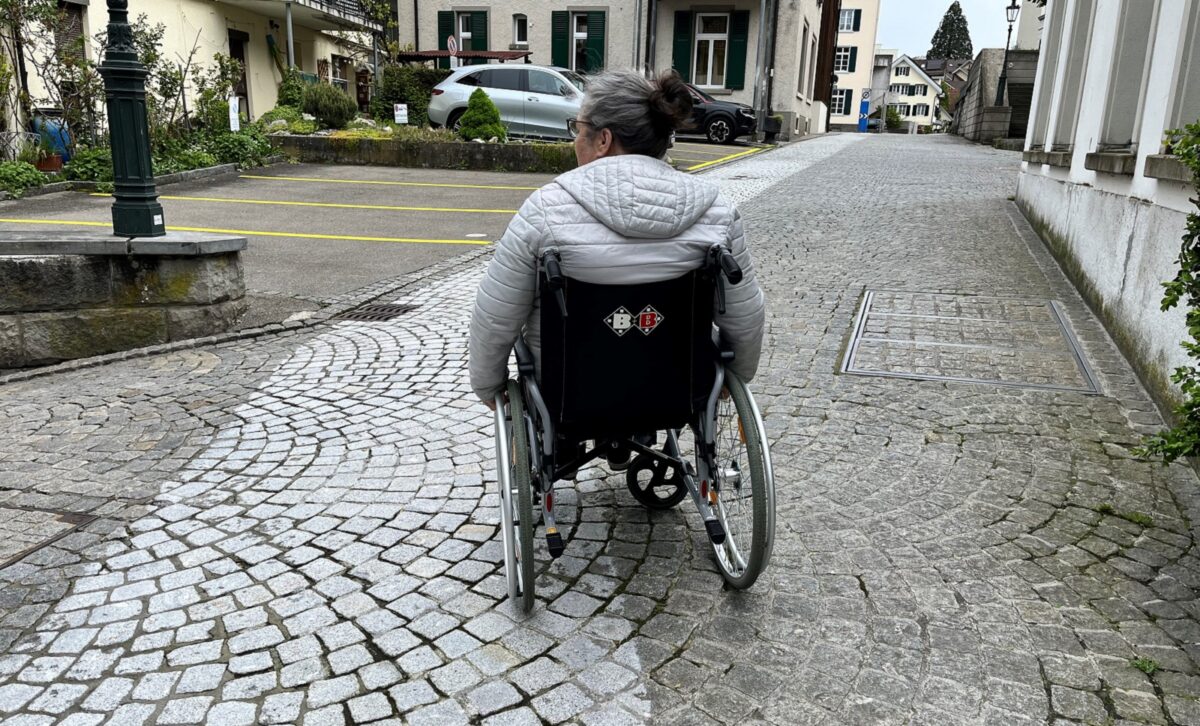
{"type": "Point", "coordinates": [681, 49]}
{"type": "Point", "coordinates": [479, 31]}
{"type": "Point", "coordinates": [445, 30]}
{"type": "Point", "coordinates": [560, 38]}
{"type": "Point", "coordinates": [595, 41]}
{"type": "Point", "coordinates": [853, 59]}
{"type": "Point", "coordinates": [735, 64]}
{"type": "Point", "coordinates": [858, 20]}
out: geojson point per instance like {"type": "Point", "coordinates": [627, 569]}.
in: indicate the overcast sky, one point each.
{"type": "Point", "coordinates": [909, 25]}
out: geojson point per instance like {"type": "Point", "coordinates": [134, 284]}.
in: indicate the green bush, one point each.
{"type": "Point", "coordinates": [90, 165]}
{"type": "Point", "coordinates": [412, 85]}
{"type": "Point", "coordinates": [330, 105]}
{"type": "Point", "coordinates": [894, 119]}
{"type": "Point", "coordinates": [182, 159]}
{"type": "Point", "coordinates": [296, 124]}
{"type": "Point", "coordinates": [481, 120]}
{"type": "Point", "coordinates": [291, 90]}
{"type": "Point", "coordinates": [17, 176]}
{"type": "Point", "coordinates": [246, 148]}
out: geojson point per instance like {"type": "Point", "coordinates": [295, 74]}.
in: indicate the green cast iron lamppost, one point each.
{"type": "Point", "coordinates": [136, 211]}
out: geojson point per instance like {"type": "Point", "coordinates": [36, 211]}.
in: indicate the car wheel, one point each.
{"type": "Point", "coordinates": [454, 121]}
{"type": "Point", "coordinates": [719, 130]}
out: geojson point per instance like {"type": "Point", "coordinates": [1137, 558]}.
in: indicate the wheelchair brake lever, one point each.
{"type": "Point", "coordinates": [720, 295]}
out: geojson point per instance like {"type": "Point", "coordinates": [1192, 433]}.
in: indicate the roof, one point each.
{"type": "Point", "coordinates": [910, 62]}
{"type": "Point", "coordinates": [500, 55]}
{"type": "Point", "coordinates": [940, 66]}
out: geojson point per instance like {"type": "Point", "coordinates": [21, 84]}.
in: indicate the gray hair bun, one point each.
{"type": "Point", "coordinates": [670, 101]}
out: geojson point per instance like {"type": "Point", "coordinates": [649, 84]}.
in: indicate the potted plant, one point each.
{"type": "Point", "coordinates": [49, 160]}
{"type": "Point", "coordinates": [772, 125]}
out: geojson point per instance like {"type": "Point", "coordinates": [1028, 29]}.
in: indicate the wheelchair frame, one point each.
{"type": "Point", "coordinates": [524, 424]}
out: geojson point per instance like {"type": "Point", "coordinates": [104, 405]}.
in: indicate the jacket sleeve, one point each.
{"type": "Point", "coordinates": [742, 323]}
{"type": "Point", "coordinates": [505, 298]}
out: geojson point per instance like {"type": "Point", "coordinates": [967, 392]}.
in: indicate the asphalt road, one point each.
{"type": "Point", "coordinates": [317, 232]}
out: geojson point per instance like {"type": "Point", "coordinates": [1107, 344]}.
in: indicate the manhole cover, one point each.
{"type": "Point", "coordinates": [24, 530]}
{"type": "Point", "coordinates": [376, 312]}
{"type": "Point", "coordinates": [969, 339]}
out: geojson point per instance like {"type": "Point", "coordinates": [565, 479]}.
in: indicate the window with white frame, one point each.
{"type": "Point", "coordinates": [520, 30]}
{"type": "Point", "coordinates": [849, 21]}
{"type": "Point", "coordinates": [464, 38]}
{"type": "Point", "coordinates": [896, 88]}
{"type": "Point", "coordinates": [920, 109]}
{"type": "Point", "coordinates": [841, 59]}
{"type": "Point", "coordinates": [842, 99]}
{"type": "Point", "coordinates": [812, 66]}
{"type": "Point", "coordinates": [902, 70]}
{"type": "Point", "coordinates": [712, 45]}
{"type": "Point", "coordinates": [579, 36]}
{"type": "Point", "coordinates": [901, 108]}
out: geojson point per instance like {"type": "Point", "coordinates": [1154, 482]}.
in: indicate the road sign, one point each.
{"type": "Point", "coordinates": [864, 111]}
{"type": "Point", "coordinates": [452, 44]}
{"type": "Point", "coordinates": [866, 94]}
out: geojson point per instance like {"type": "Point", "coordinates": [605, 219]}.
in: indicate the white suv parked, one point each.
{"type": "Point", "coordinates": [533, 100]}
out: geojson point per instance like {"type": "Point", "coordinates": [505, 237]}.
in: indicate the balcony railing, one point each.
{"type": "Point", "coordinates": [352, 8]}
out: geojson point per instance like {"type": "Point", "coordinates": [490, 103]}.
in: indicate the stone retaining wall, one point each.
{"type": "Point", "coordinates": [544, 158]}
{"type": "Point", "coordinates": [105, 295]}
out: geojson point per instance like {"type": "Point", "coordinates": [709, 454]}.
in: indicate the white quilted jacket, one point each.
{"type": "Point", "coordinates": [619, 220]}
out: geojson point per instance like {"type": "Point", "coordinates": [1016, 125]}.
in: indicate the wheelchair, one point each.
{"type": "Point", "coordinates": [623, 366]}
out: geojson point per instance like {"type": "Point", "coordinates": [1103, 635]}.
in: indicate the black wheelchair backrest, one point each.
{"type": "Point", "coordinates": [622, 359]}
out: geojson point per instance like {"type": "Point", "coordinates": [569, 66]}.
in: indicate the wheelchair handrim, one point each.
{"type": "Point", "coordinates": [735, 504]}
{"type": "Point", "coordinates": [504, 470]}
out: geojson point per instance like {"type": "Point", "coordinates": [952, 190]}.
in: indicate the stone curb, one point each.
{"type": "Point", "coordinates": [337, 306]}
{"type": "Point", "coordinates": [208, 172]}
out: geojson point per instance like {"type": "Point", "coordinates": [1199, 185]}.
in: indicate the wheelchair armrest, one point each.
{"type": "Point", "coordinates": [525, 363]}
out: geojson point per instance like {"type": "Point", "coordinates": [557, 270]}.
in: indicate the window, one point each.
{"type": "Point", "coordinates": [1187, 89]}
{"type": "Point", "coordinates": [812, 68]}
{"type": "Point", "coordinates": [520, 30]}
{"type": "Point", "coordinates": [845, 59]}
{"type": "Point", "coordinates": [1073, 75]}
{"type": "Point", "coordinates": [712, 44]}
{"type": "Point", "coordinates": [921, 109]}
{"type": "Point", "coordinates": [901, 108]}
{"type": "Point", "coordinates": [842, 98]}
{"type": "Point", "coordinates": [802, 76]}
{"type": "Point", "coordinates": [341, 67]}
{"type": "Point", "coordinates": [464, 38]}
{"type": "Point", "coordinates": [579, 30]}
{"type": "Point", "coordinates": [897, 88]}
{"type": "Point", "coordinates": [849, 21]}
{"type": "Point", "coordinates": [902, 70]}
{"type": "Point", "coordinates": [542, 82]}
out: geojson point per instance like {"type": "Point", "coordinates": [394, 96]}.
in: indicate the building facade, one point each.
{"type": "Point", "coordinates": [328, 41]}
{"type": "Point", "coordinates": [853, 61]}
{"type": "Point", "coordinates": [1115, 75]}
{"type": "Point", "coordinates": [719, 48]}
{"type": "Point", "coordinates": [914, 95]}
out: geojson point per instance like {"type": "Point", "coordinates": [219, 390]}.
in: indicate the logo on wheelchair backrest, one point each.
{"type": "Point", "coordinates": [621, 321]}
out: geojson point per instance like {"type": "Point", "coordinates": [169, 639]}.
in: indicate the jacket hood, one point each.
{"type": "Point", "coordinates": [638, 196]}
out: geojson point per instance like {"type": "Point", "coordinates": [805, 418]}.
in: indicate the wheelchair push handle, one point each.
{"type": "Point", "coordinates": [719, 257]}
{"type": "Point", "coordinates": [552, 268]}
{"type": "Point", "coordinates": [729, 265]}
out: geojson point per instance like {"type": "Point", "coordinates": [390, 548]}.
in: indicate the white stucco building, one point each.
{"type": "Point", "coordinates": [1114, 76]}
{"type": "Point", "coordinates": [853, 60]}
{"type": "Point", "coordinates": [915, 95]}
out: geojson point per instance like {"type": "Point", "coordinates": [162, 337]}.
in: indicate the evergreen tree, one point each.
{"type": "Point", "coordinates": [952, 39]}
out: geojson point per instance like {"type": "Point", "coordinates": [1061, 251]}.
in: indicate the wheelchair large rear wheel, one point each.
{"type": "Point", "coordinates": [745, 488]}
{"type": "Point", "coordinates": [516, 501]}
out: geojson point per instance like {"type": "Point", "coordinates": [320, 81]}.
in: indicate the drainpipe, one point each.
{"type": "Point", "coordinates": [771, 53]}
{"type": "Point", "coordinates": [417, 26]}
{"type": "Point", "coordinates": [291, 53]}
{"type": "Point", "coordinates": [760, 57]}
{"type": "Point", "coordinates": [637, 30]}
{"type": "Point", "coordinates": [651, 34]}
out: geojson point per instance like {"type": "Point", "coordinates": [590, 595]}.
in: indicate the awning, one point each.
{"type": "Point", "coordinates": [428, 55]}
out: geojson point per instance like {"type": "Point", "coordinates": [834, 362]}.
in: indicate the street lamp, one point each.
{"type": "Point", "coordinates": [1010, 11]}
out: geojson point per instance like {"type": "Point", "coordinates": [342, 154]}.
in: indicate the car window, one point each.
{"type": "Point", "coordinates": [540, 82]}
{"type": "Point", "coordinates": [506, 79]}
{"type": "Point", "coordinates": [575, 78]}
{"type": "Point", "coordinates": [472, 79]}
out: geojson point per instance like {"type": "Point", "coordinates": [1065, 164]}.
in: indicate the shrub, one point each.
{"type": "Point", "coordinates": [182, 159]}
{"type": "Point", "coordinates": [17, 176]}
{"type": "Point", "coordinates": [93, 164]}
{"type": "Point", "coordinates": [291, 90]}
{"type": "Point", "coordinates": [332, 108]}
{"type": "Point", "coordinates": [281, 112]}
{"type": "Point", "coordinates": [481, 120]}
{"type": "Point", "coordinates": [894, 120]}
{"type": "Point", "coordinates": [248, 147]}
{"type": "Point", "coordinates": [406, 84]}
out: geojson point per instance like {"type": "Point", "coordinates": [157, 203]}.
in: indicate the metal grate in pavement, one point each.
{"type": "Point", "coordinates": [375, 312]}
{"type": "Point", "coordinates": [23, 531]}
{"type": "Point", "coordinates": [968, 339]}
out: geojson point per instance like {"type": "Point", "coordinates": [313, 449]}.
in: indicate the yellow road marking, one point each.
{"type": "Point", "coordinates": [261, 233]}
{"type": "Point", "coordinates": [386, 183]}
{"type": "Point", "coordinates": [731, 157]}
{"type": "Point", "coordinates": [329, 204]}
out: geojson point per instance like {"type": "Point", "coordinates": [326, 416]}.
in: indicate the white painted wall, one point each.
{"type": "Point", "coordinates": [1029, 26]}
{"type": "Point", "coordinates": [1120, 232]}
{"type": "Point", "coordinates": [864, 40]}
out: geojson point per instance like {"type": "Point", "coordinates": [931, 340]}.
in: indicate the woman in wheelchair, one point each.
{"type": "Point", "coordinates": [627, 292]}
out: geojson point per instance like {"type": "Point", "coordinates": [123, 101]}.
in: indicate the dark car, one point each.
{"type": "Point", "coordinates": [721, 121]}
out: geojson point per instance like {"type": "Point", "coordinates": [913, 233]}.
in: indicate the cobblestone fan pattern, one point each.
{"type": "Point", "coordinates": [302, 528]}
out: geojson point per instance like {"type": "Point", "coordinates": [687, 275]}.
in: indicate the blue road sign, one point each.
{"type": "Point", "coordinates": [864, 110]}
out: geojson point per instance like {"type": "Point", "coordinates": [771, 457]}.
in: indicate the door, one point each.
{"type": "Point", "coordinates": [237, 51]}
{"type": "Point", "coordinates": [549, 102]}
{"type": "Point", "coordinates": [503, 86]}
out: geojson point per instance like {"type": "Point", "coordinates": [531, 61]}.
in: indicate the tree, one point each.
{"type": "Point", "coordinates": [481, 120]}
{"type": "Point", "coordinates": [952, 39]}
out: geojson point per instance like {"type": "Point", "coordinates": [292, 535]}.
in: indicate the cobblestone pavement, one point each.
{"type": "Point", "coordinates": [302, 528]}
